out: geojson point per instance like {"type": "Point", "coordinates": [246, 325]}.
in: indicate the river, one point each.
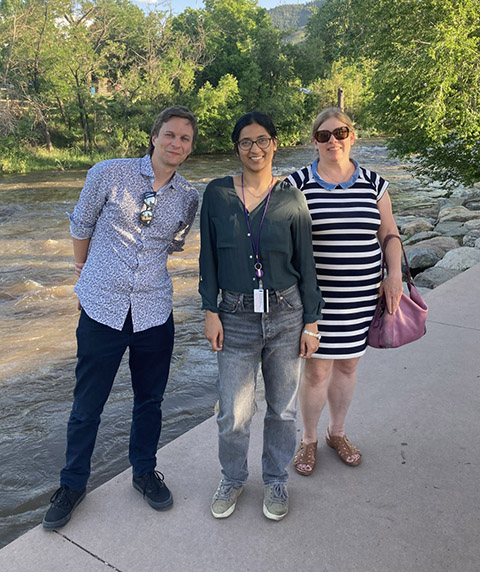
{"type": "Point", "coordinates": [39, 317]}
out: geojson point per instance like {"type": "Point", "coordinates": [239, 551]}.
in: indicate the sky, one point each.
{"type": "Point", "coordinates": [178, 6]}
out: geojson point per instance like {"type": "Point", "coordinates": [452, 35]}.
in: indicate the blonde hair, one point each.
{"type": "Point", "coordinates": [331, 112]}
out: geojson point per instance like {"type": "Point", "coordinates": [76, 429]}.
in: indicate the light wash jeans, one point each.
{"type": "Point", "coordinates": [274, 339]}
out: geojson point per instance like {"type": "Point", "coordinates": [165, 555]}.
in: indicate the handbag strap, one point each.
{"type": "Point", "coordinates": [386, 240]}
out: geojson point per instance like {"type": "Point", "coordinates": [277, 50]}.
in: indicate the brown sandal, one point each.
{"type": "Point", "coordinates": [344, 448]}
{"type": "Point", "coordinates": [306, 455]}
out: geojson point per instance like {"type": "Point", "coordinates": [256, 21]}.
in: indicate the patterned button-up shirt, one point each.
{"type": "Point", "coordinates": [126, 267]}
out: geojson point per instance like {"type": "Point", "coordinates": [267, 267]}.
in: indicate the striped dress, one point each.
{"type": "Point", "coordinates": [347, 254]}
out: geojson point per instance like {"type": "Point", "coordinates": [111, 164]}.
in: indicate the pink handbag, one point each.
{"type": "Point", "coordinates": [408, 322]}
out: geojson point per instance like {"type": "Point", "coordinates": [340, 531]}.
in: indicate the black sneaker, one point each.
{"type": "Point", "coordinates": [154, 490]}
{"type": "Point", "coordinates": [64, 502]}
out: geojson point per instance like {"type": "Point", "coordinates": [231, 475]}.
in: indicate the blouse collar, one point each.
{"type": "Point", "coordinates": [330, 186]}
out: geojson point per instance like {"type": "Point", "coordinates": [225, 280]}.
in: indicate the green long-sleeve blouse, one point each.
{"type": "Point", "coordinates": [285, 247]}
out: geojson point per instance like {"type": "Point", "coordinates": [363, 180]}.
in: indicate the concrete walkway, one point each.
{"type": "Point", "coordinates": [412, 505]}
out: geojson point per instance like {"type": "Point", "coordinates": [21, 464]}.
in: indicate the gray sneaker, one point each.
{"type": "Point", "coordinates": [225, 500]}
{"type": "Point", "coordinates": [275, 501]}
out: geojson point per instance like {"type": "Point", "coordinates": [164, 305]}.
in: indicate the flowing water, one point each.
{"type": "Point", "coordinates": [39, 317]}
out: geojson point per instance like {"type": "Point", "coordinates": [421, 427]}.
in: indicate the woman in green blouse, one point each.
{"type": "Point", "coordinates": [256, 250]}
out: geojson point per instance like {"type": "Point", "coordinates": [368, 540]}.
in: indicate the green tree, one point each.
{"type": "Point", "coordinates": [425, 57]}
{"type": "Point", "coordinates": [216, 110]}
{"type": "Point", "coordinates": [426, 84]}
{"type": "Point", "coordinates": [242, 43]}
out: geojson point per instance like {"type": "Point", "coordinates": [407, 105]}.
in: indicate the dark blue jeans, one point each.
{"type": "Point", "coordinates": [100, 351]}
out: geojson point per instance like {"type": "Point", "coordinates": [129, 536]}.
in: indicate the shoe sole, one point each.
{"type": "Point", "coordinates": [229, 511]}
{"type": "Point", "coordinates": [63, 521]}
{"type": "Point", "coordinates": [272, 516]}
{"type": "Point", "coordinates": [165, 505]}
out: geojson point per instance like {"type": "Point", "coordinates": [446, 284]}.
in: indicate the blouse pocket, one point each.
{"type": "Point", "coordinates": [227, 231]}
{"type": "Point", "coordinates": [276, 236]}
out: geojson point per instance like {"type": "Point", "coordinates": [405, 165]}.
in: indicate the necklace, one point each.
{"type": "Point", "coordinates": [253, 194]}
{"type": "Point", "coordinates": [328, 178]}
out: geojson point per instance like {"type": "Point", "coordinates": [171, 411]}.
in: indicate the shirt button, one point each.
{"type": "Point", "coordinates": [251, 255]}
{"type": "Point", "coordinates": [248, 234]}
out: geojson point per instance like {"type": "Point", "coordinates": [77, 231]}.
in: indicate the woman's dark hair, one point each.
{"type": "Point", "coordinates": [253, 117]}
{"type": "Point", "coordinates": [166, 115]}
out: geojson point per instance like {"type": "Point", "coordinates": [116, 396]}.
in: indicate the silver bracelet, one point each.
{"type": "Point", "coordinates": [317, 335]}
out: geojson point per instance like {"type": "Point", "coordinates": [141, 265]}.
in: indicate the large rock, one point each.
{"type": "Point", "coordinates": [415, 226]}
{"type": "Point", "coordinates": [420, 236]}
{"type": "Point", "coordinates": [439, 244]}
{"type": "Point", "coordinates": [457, 214]}
{"type": "Point", "coordinates": [473, 204]}
{"type": "Point", "coordinates": [473, 224]}
{"type": "Point", "coordinates": [473, 201]}
{"type": "Point", "coordinates": [444, 202]}
{"type": "Point", "coordinates": [421, 258]}
{"type": "Point", "coordinates": [433, 277]}
{"type": "Point", "coordinates": [451, 228]}
{"type": "Point", "coordinates": [460, 259]}
{"type": "Point", "coordinates": [470, 238]}
{"type": "Point", "coordinates": [403, 219]}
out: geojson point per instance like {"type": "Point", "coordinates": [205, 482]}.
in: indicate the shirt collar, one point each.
{"type": "Point", "coordinates": [330, 186]}
{"type": "Point", "coordinates": [146, 169]}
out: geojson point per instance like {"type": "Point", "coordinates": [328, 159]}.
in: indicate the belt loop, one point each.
{"type": "Point", "coordinates": [240, 302]}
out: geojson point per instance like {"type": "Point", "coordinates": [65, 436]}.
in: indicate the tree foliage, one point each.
{"type": "Point", "coordinates": [92, 74]}
{"type": "Point", "coordinates": [424, 87]}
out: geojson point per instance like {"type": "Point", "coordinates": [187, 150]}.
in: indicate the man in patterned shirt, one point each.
{"type": "Point", "coordinates": [131, 214]}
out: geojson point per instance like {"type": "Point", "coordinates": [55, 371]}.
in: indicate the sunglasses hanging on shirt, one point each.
{"type": "Point", "coordinates": [149, 201]}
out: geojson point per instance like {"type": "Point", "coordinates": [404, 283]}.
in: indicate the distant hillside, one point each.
{"type": "Point", "coordinates": [292, 16]}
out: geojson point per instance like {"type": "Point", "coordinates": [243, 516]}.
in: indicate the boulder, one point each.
{"type": "Point", "coordinates": [473, 204]}
{"type": "Point", "coordinates": [420, 236]}
{"type": "Point", "coordinates": [439, 244]}
{"type": "Point", "coordinates": [470, 238]}
{"type": "Point", "coordinates": [403, 219]}
{"type": "Point", "coordinates": [444, 202]}
{"type": "Point", "coordinates": [449, 228]}
{"type": "Point", "coordinates": [421, 258]}
{"type": "Point", "coordinates": [418, 225]}
{"type": "Point", "coordinates": [433, 277]}
{"type": "Point", "coordinates": [457, 214]}
{"type": "Point", "coordinates": [460, 259]}
{"type": "Point", "coordinates": [473, 224]}
{"type": "Point", "coordinates": [473, 201]}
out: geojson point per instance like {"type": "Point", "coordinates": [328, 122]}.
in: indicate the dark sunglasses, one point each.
{"type": "Point", "coordinates": [340, 133]}
{"type": "Point", "coordinates": [149, 201]}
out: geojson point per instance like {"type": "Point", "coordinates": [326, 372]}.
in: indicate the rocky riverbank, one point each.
{"type": "Point", "coordinates": [445, 242]}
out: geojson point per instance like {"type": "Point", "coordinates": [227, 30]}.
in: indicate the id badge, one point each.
{"type": "Point", "coordinates": [260, 300]}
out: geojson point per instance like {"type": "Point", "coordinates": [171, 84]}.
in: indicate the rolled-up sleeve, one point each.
{"type": "Point", "coordinates": [90, 204]}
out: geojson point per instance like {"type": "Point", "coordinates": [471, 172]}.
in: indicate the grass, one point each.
{"type": "Point", "coordinates": [15, 160]}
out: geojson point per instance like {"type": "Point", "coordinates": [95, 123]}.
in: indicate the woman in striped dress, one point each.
{"type": "Point", "coordinates": [351, 214]}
